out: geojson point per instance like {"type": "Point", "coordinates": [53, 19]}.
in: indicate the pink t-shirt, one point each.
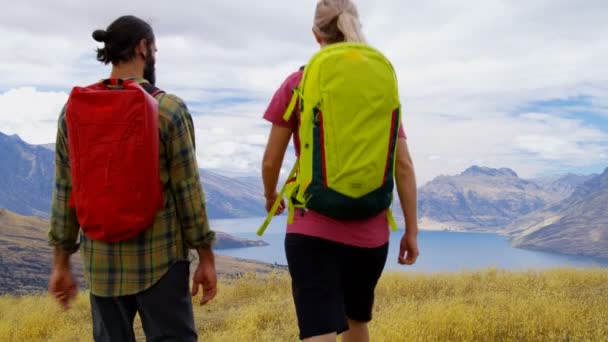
{"type": "Point", "coordinates": [369, 233]}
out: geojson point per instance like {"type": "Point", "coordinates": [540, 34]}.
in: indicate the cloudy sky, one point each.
{"type": "Point", "coordinates": [513, 83]}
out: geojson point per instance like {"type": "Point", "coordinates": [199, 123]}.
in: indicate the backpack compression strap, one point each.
{"type": "Point", "coordinates": [291, 206]}
{"type": "Point", "coordinates": [391, 220]}
{"type": "Point", "coordinates": [277, 202]}
{"type": "Point", "coordinates": [292, 104]}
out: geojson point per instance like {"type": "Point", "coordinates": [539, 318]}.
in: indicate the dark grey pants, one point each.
{"type": "Point", "coordinates": [165, 310]}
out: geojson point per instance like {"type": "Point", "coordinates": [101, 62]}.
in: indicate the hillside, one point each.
{"type": "Point", "coordinates": [479, 199]}
{"type": "Point", "coordinates": [27, 172]}
{"type": "Point", "coordinates": [577, 225]}
{"type": "Point", "coordinates": [232, 197]}
{"type": "Point", "coordinates": [557, 305]}
{"type": "Point", "coordinates": [25, 257]}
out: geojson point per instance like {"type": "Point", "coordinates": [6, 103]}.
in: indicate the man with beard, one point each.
{"type": "Point", "coordinates": [149, 273]}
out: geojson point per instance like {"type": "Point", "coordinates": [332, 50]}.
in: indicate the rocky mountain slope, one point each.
{"type": "Point", "coordinates": [479, 199]}
{"type": "Point", "coordinates": [563, 185]}
{"type": "Point", "coordinates": [577, 225]}
{"type": "Point", "coordinates": [26, 176]}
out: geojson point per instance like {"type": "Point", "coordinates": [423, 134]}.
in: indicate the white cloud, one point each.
{"type": "Point", "coordinates": [467, 70]}
{"type": "Point", "coordinates": [530, 144]}
{"type": "Point", "coordinates": [31, 114]}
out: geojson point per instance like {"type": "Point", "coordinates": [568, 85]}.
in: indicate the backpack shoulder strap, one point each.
{"type": "Point", "coordinates": [297, 94]}
{"type": "Point", "coordinates": [151, 89]}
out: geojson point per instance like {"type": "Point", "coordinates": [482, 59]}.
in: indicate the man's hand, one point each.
{"type": "Point", "coordinates": [62, 286]}
{"type": "Point", "coordinates": [408, 250]}
{"type": "Point", "coordinates": [205, 276]}
{"type": "Point", "coordinates": [270, 202]}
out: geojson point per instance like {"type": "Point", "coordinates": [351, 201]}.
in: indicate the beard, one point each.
{"type": "Point", "coordinates": [150, 69]}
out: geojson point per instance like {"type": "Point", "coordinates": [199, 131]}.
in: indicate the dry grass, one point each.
{"type": "Point", "coordinates": [556, 305]}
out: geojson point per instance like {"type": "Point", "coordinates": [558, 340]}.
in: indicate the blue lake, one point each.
{"type": "Point", "coordinates": [440, 251]}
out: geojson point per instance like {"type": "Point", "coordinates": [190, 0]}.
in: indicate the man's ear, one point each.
{"type": "Point", "coordinates": [142, 49]}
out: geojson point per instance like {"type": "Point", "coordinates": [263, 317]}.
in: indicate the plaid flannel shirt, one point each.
{"type": "Point", "coordinates": [134, 265]}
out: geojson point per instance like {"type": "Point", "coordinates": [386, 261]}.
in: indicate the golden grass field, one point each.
{"type": "Point", "coordinates": [492, 305]}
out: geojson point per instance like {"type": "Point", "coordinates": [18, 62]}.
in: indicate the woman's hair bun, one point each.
{"type": "Point", "coordinates": [100, 36]}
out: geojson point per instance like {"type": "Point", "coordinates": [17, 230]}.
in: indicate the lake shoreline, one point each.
{"type": "Point", "coordinates": [278, 227]}
{"type": "Point", "coordinates": [441, 250]}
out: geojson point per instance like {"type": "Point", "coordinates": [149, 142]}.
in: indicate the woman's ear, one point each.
{"type": "Point", "coordinates": [317, 38]}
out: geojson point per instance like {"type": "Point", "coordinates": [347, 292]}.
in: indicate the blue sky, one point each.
{"type": "Point", "coordinates": [581, 107]}
{"type": "Point", "coordinates": [493, 83]}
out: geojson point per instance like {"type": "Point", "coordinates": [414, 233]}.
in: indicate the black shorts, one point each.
{"type": "Point", "coordinates": [332, 282]}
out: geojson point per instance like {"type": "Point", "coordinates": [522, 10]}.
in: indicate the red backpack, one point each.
{"type": "Point", "coordinates": [113, 139]}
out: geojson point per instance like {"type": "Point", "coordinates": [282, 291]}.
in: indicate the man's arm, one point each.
{"type": "Point", "coordinates": [63, 234]}
{"type": "Point", "coordinates": [190, 199]}
{"type": "Point", "coordinates": [64, 224]}
{"type": "Point", "coordinates": [185, 179]}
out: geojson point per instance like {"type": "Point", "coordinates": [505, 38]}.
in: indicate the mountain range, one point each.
{"type": "Point", "coordinates": [26, 184]}
{"type": "Point", "coordinates": [485, 199]}
{"type": "Point", "coordinates": [563, 213]}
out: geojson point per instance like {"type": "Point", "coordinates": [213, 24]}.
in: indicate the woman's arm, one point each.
{"type": "Point", "coordinates": [406, 187]}
{"type": "Point", "coordinates": [278, 140]}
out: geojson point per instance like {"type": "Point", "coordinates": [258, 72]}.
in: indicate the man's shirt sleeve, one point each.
{"type": "Point", "coordinates": [64, 224]}
{"type": "Point", "coordinates": [185, 178]}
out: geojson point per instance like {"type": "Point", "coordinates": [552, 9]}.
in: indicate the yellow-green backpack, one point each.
{"type": "Point", "coordinates": [349, 122]}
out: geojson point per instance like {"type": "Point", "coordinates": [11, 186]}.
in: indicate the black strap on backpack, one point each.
{"type": "Point", "coordinates": [151, 89]}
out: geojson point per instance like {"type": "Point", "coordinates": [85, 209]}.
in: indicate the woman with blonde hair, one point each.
{"type": "Point", "coordinates": [334, 263]}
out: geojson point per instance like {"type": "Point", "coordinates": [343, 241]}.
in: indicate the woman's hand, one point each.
{"type": "Point", "coordinates": [408, 250]}
{"type": "Point", "coordinates": [270, 202]}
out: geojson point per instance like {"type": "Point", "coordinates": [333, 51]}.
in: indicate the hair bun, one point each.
{"type": "Point", "coordinates": [100, 36]}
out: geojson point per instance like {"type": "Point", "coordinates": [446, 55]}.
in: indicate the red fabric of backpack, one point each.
{"type": "Point", "coordinates": [113, 139]}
